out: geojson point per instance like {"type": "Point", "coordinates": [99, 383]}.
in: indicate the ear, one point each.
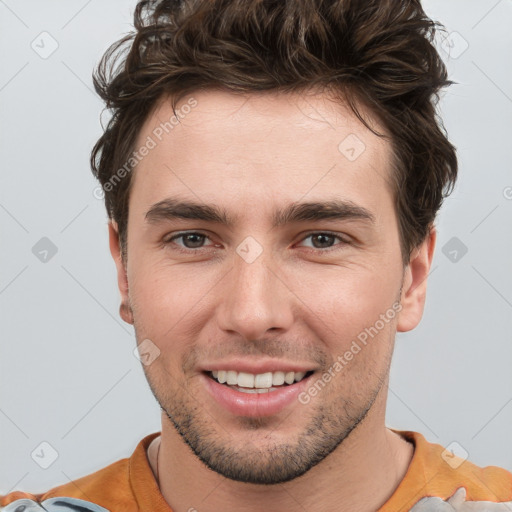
{"type": "Point", "coordinates": [414, 288]}
{"type": "Point", "coordinates": [125, 310]}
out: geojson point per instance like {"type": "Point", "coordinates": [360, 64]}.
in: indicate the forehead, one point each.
{"type": "Point", "coordinates": [263, 145]}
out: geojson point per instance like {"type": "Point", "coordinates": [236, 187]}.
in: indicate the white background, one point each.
{"type": "Point", "coordinates": [67, 371]}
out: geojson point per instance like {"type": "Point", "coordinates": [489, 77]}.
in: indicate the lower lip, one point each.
{"type": "Point", "coordinates": [254, 404]}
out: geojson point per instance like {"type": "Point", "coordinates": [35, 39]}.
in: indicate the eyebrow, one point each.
{"type": "Point", "coordinates": [170, 208]}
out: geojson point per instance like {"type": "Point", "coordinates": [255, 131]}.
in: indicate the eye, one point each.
{"type": "Point", "coordinates": [325, 240]}
{"type": "Point", "coordinates": [191, 240]}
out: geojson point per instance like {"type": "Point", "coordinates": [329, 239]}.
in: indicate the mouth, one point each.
{"type": "Point", "coordinates": [256, 394]}
{"type": "Point", "coordinates": [257, 383]}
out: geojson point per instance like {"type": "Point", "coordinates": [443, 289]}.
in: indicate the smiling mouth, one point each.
{"type": "Point", "coordinates": [260, 383]}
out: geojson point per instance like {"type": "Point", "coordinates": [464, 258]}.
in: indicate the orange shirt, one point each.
{"type": "Point", "coordinates": [128, 485]}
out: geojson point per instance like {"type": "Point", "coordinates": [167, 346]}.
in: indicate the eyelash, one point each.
{"type": "Point", "coordinates": [309, 235]}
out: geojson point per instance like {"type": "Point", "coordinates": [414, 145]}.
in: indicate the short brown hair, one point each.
{"type": "Point", "coordinates": [378, 53]}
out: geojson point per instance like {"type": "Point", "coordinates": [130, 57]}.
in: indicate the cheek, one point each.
{"type": "Point", "coordinates": [335, 302]}
{"type": "Point", "coordinates": [165, 296]}
{"type": "Point", "coordinates": [346, 300]}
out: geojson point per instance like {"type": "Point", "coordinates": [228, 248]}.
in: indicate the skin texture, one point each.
{"type": "Point", "coordinates": [304, 300]}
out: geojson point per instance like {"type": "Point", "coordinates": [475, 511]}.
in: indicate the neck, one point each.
{"type": "Point", "coordinates": [360, 475]}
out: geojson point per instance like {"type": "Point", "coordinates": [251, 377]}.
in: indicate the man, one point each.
{"type": "Point", "coordinates": [272, 172]}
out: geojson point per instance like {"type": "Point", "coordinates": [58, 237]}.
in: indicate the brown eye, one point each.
{"type": "Point", "coordinates": [326, 241]}
{"type": "Point", "coordinates": [193, 240]}
{"type": "Point", "coordinates": [322, 240]}
{"type": "Point", "coordinates": [190, 241]}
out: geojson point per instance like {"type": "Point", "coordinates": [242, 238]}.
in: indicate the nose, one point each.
{"type": "Point", "coordinates": [255, 299]}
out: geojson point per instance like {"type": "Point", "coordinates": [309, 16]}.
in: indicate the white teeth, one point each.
{"type": "Point", "coordinates": [289, 377]}
{"type": "Point", "coordinates": [299, 376]}
{"type": "Point", "coordinates": [257, 390]}
{"type": "Point", "coordinates": [278, 378]}
{"type": "Point", "coordinates": [245, 380]}
{"type": "Point", "coordinates": [231, 378]}
{"type": "Point", "coordinates": [261, 381]}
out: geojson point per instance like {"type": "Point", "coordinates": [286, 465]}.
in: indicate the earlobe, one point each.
{"type": "Point", "coordinates": [125, 310]}
{"type": "Point", "coordinates": [414, 288]}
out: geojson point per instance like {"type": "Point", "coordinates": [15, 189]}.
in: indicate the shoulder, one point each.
{"type": "Point", "coordinates": [105, 490]}
{"type": "Point", "coordinates": [437, 477]}
{"type": "Point", "coordinates": [84, 494]}
{"type": "Point", "coordinates": [443, 464]}
{"type": "Point", "coordinates": [63, 504]}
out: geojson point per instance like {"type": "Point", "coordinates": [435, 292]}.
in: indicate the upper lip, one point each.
{"type": "Point", "coordinates": [246, 366]}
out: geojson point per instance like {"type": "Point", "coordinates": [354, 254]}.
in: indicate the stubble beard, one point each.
{"type": "Point", "coordinates": [272, 461]}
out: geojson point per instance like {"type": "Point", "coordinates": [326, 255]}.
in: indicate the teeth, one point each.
{"type": "Point", "coordinates": [299, 376]}
{"type": "Point", "coordinates": [278, 378]}
{"type": "Point", "coordinates": [245, 380]}
{"type": "Point", "coordinates": [289, 377]}
{"type": "Point", "coordinates": [232, 378]}
{"type": "Point", "coordinates": [261, 381]}
{"type": "Point", "coordinates": [257, 390]}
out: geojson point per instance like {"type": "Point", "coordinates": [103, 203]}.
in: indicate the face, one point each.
{"type": "Point", "coordinates": [262, 238]}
